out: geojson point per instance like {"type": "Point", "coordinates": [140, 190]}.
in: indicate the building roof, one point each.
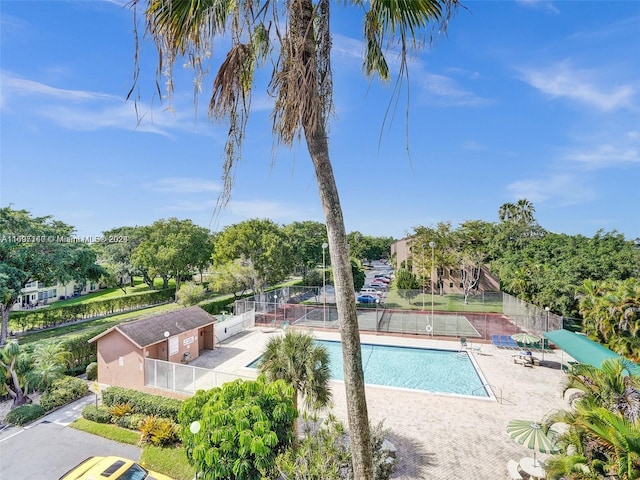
{"type": "Point", "coordinates": [151, 330]}
{"type": "Point", "coordinates": [583, 349]}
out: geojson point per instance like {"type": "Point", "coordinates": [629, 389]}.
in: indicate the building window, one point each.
{"type": "Point", "coordinates": [31, 285]}
{"type": "Point", "coordinates": [450, 284]}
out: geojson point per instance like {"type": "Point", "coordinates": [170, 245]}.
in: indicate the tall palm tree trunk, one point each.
{"type": "Point", "coordinates": [357, 414]}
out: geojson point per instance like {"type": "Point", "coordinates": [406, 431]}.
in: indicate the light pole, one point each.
{"type": "Point", "coordinates": [424, 272]}
{"type": "Point", "coordinates": [324, 291]}
{"type": "Point", "coordinates": [433, 246]}
{"type": "Point", "coordinates": [546, 329]}
{"type": "Point", "coordinates": [377, 303]}
{"type": "Point", "coordinates": [275, 309]}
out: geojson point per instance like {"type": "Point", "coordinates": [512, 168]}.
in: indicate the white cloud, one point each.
{"type": "Point", "coordinates": [545, 5]}
{"type": "Point", "coordinates": [83, 110]}
{"type": "Point", "coordinates": [432, 87]}
{"type": "Point", "coordinates": [562, 189]}
{"type": "Point", "coordinates": [182, 185]}
{"type": "Point", "coordinates": [563, 81]}
{"type": "Point", "coordinates": [605, 155]}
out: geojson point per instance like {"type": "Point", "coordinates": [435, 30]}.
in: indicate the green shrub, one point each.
{"type": "Point", "coordinates": [63, 391]}
{"type": "Point", "coordinates": [92, 371]}
{"type": "Point", "coordinates": [96, 414]}
{"type": "Point", "coordinates": [132, 421]}
{"type": "Point", "coordinates": [24, 414]}
{"type": "Point", "coordinates": [142, 403]}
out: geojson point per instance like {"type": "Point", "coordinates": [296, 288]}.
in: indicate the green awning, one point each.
{"type": "Point", "coordinates": [582, 348]}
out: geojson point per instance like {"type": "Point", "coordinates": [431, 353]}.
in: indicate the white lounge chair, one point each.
{"type": "Point", "coordinates": [514, 470]}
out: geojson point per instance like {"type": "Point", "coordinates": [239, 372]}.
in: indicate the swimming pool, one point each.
{"type": "Point", "coordinates": [431, 370]}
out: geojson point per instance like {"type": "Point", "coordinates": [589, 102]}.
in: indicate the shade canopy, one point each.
{"type": "Point", "coordinates": [531, 435]}
{"type": "Point", "coordinates": [525, 338]}
{"type": "Point", "coordinates": [583, 349]}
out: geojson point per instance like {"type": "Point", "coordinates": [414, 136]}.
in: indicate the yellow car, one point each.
{"type": "Point", "coordinates": [111, 468]}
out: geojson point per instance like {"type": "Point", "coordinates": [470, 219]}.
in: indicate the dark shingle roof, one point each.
{"type": "Point", "coordinates": [151, 330]}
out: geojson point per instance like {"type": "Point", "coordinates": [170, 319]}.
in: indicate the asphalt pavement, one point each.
{"type": "Point", "coordinates": [48, 448]}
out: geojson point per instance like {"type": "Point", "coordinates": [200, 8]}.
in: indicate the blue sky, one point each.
{"type": "Point", "coordinates": [522, 99]}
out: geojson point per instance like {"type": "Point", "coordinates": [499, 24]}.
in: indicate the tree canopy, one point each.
{"type": "Point", "coordinates": [261, 242]}
{"type": "Point", "coordinates": [39, 249]}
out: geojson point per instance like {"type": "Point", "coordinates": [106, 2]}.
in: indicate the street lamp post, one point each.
{"type": "Point", "coordinates": [275, 308]}
{"type": "Point", "coordinates": [424, 272]}
{"type": "Point", "coordinates": [546, 329]}
{"type": "Point", "coordinates": [324, 288]}
{"type": "Point", "coordinates": [433, 246]}
{"type": "Point", "coordinates": [377, 303]}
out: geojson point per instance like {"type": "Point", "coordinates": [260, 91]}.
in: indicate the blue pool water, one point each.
{"type": "Point", "coordinates": [437, 371]}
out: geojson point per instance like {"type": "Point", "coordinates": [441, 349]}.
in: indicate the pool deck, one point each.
{"type": "Point", "coordinates": [438, 437]}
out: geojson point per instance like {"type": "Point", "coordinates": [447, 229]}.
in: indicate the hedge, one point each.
{"type": "Point", "coordinates": [24, 414]}
{"type": "Point", "coordinates": [63, 391]}
{"type": "Point", "coordinates": [92, 371]}
{"type": "Point", "coordinates": [142, 403]}
{"type": "Point", "coordinates": [53, 316]}
{"type": "Point", "coordinates": [96, 414]}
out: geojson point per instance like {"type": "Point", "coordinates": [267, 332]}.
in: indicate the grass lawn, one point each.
{"type": "Point", "coordinates": [104, 323]}
{"type": "Point", "coordinates": [110, 293]}
{"type": "Point", "coordinates": [171, 461]}
{"type": "Point", "coordinates": [442, 303]}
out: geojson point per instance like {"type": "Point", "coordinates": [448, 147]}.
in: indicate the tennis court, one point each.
{"type": "Point", "coordinates": [382, 320]}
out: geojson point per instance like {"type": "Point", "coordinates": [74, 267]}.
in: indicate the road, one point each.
{"type": "Point", "coordinates": [48, 448]}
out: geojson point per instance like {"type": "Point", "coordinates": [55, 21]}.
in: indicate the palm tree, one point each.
{"type": "Point", "coordinates": [14, 365]}
{"type": "Point", "coordinates": [296, 359]}
{"type": "Point", "coordinates": [50, 361]}
{"type": "Point", "coordinates": [507, 212]}
{"type": "Point", "coordinates": [301, 83]}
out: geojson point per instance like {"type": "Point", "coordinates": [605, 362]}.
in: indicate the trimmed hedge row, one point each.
{"type": "Point", "coordinates": [142, 403]}
{"type": "Point", "coordinates": [49, 317]}
{"type": "Point", "coordinates": [63, 391]}
{"type": "Point", "coordinates": [24, 414]}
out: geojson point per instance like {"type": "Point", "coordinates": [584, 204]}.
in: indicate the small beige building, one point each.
{"type": "Point", "coordinates": [177, 337]}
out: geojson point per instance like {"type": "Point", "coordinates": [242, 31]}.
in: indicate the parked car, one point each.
{"type": "Point", "coordinates": [367, 298]}
{"type": "Point", "coordinates": [111, 468]}
{"type": "Point", "coordinates": [368, 291]}
{"type": "Point", "coordinates": [382, 279]}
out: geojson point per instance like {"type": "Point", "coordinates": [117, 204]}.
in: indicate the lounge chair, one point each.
{"type": "Point", "coordinates": [514, 470]}
{"type": "Point", "coordinates": [512, 343]}
{"type": "Point", "coordinates": [284, 325]}
{"type": "Point", "coordinates": [477, 348]}
{"type": "Point", "coordinates": [505, 341]}
{"type": "Point", "coordinates": [496, 341]}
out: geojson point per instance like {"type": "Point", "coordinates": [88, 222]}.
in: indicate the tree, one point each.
{"type": "Point", "coordinates": [50, 361]}
{"type": "Point", "coordinates": [38, 249]}
{"type": "Point", "coordinates": [301, 84]}
{"type": "Point", "coordinates": [471, 253]}
{"type": "Point", "coordinates": [306, 240]}
{"type": "Point", "coordinates": [172, 248]}
{"type": "Point", "coordinates": [190, 293]}
{"type": "Point", "coordinates": [236, 276]}
{"type": "Point", "coordinates": [262, 243]}
{"type": "Point", "coordinates": [14, 366]}
{"type": "Point", "coordinates": [235, 432]}
{"type": "Point", "coordinates": [297, 360]}
{"type": "Point", "coordinates": [114, 255]}
{"type": "Point", "coordinates": [604, 428]}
